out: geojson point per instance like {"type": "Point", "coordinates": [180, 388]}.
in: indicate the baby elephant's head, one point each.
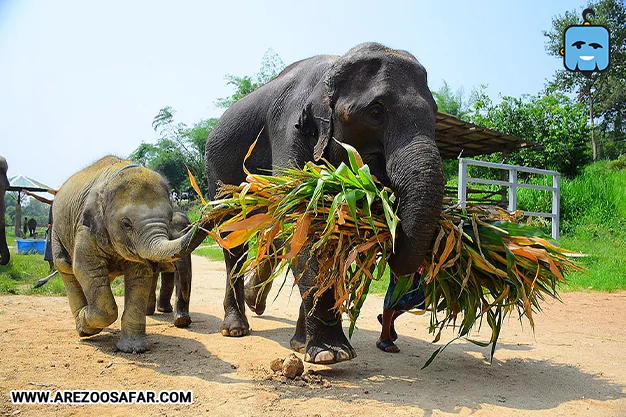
{"type": "Point", "coordinates": [131, 214]}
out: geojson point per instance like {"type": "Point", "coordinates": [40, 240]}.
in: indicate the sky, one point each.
{"type": "Point", "coordinates": [83, 79]}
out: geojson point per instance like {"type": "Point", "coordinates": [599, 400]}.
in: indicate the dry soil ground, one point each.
{"type": "Point", "coordinates": [573, 365]}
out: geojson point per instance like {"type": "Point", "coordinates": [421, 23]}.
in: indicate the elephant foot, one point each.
{"type": "Point", "coordinates": [133, 344]}
{"type": "Point", "coordinates": [150, 310]}
{"type": "Point", "coordinates": [328, 345]}
{"type": "Point", "coordinates": [182, 320]}
{"type": "Point", "coordinates": [86, 331]}
{"type": "Point", "coordinates": [235, 324]}
{"type": "Point", "coordinates": [254, 302]}
{"type": "Point", "coordinates": [165, 308]}
{"type": "Point", "coordinates": [297, 344]}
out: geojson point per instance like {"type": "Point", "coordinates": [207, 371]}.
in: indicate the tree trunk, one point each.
{"type": "Point", "coordinates": [594, 145]}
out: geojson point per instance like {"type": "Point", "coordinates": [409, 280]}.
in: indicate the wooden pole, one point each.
{"type": "Point", "coordinates": [18, 215]}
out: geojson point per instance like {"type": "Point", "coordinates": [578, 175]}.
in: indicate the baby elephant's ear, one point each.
{"type": "Point", "coordinates": [93, 213]}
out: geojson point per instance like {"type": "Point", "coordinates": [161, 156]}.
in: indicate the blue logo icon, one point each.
{"type": "Point", "coordinates": [586, 47]}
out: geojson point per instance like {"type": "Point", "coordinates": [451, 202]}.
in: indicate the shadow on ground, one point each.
{"type": "Point", "coordinates": [461, 376]}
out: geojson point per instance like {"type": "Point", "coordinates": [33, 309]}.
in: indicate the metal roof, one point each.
{"type": "Point", "coordinates": [454, 136]}
{"type": "Point", "coordinates": [21, 182]}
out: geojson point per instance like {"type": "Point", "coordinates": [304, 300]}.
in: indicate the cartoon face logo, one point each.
{"type": "Point", "coordinates": [586, 47]}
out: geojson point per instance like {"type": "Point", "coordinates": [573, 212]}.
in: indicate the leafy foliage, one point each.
{"type": "Point", "coordinates": [178, 146]}
{"type": "Point", "coordinates": [553, 121]}
{"type": "Point", "coordinates": [451, 102]}
{"type": "Point", "coordinates": [454, 104]}
{"type": "Point", "coordinates": [271, 65]}
{"type": "Point", "coordinates": [609, 88]}
{"type": "Point", "coordinates": [484, 264]}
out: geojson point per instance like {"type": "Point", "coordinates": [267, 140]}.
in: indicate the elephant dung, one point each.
{"type": "Point", "coordinates": [276, 365]}
{"type": "Point", "coordinates": [292, 366]}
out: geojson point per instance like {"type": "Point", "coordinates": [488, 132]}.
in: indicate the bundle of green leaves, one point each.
{"type": "Point", "coordinates": [484, 262]}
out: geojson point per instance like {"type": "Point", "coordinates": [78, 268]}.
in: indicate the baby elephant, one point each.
{"type": "Point", "coordinates": [110, 219]}
{"type": "Point", "coordinates": [179, 277]}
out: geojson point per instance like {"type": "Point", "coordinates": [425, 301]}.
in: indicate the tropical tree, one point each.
{"type": "Point", "coordinates": [271, 66]}
{"type": "Point", "coordinates": [555, 122]}
{"type": "Point", "coordinates": [451, 102]}
{"type": "Point", "coordinates": [180, 147]}
{"type": "Point", "coordinates": [604, 95]}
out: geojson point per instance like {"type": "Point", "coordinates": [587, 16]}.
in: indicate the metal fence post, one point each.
{"type": "Point", "coordinates": [556, 205]}
{"type": "Point", "coordinates": [462, 190]}
{"type": "Point", "coordinates": [512, 189]}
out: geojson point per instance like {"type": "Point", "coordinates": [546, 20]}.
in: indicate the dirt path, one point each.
{"type": "Point", "coordinates": [574, 364]}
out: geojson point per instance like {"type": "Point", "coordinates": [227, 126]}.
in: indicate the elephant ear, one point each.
{"type": "Point", "coordinates": [317, 118]}
{"type": "Point", "coordinates": [93, 214]}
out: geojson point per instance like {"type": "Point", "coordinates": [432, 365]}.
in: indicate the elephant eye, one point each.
{"type": "Point", "coordinates": [376, 110]}
{"type": "Point", "coordinates": [595, 45]}
{"type": "Point", "coordinates": [127, 224]}
{"type": "Point", "coordinates": [578, 44]}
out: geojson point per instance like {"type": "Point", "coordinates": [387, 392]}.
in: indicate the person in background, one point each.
{"type": "Point", "coordinates": [47, 256]}
{"type": "Point", "coordinates": [25, 226]}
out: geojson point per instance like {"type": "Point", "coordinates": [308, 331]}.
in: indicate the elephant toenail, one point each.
{"type": "Point", "coordinates": [325, 357]}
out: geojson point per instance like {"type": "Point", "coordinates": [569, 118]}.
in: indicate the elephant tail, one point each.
{"type": "Point", "coordinates": [42, 281]}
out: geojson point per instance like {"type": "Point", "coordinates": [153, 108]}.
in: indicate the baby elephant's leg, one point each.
{"type": "Point", "coordinates": [91, 271]}
{"type": "Point", "coordinates": [183, 292]}
{"type": "Point", "coordinates": [75, 294]}
{"type": "Point", "coordinates": [165, 293]}
{"type": "Point", "coordinates": [137, 284]}
{"type": "Point", "coordinates": [152, 298]}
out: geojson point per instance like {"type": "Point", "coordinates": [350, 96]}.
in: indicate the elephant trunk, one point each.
{"type": "Point", "coordinates": [4, 184]}
{"type": "Point", "coordinates": [159, 248]}
{"type": "Point", "coordinates": [416, 175]}
{"type": "Point", "coordinates": [4, 249]}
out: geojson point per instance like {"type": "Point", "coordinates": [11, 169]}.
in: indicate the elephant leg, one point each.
{"type": "Point", "coordinates": [183, 292]}
{"type": "Point", "coordinates": [74, 291]}
{"type": "Point", "coordinates": [152, 298]}
{"type": "Point", "coordinates": [256, 289]}
{"type": "Point", "coordinates": [137, 284]}
{"type": "Point", "coordinates": [77, 301]}
{"type": "Point", "coordinates": [325, 341]}
{"type": "Point", "coordinates": [235, 323]}
{"type": "Point", "coordinates": [165, 293]}
{"type": "Point", "coordinates": [298, 341]}
{"type": "Point", "coordinates": [91, 271]}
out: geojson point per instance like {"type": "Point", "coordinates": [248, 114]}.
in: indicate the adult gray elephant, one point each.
{"type": "Point", "coordinates": [373, 98]}
{"type": "Point", "coordinates": [179, 278]}
{"type": "Point", "coordinates": [5, 256]}
{"type": "Point", "coordinates": [110, 219]}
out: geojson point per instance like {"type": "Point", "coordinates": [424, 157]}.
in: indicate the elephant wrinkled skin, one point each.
{"type": "Point", "coordinates": [113, 219]}
{"type": "Point", "coordinates": [373, 98]}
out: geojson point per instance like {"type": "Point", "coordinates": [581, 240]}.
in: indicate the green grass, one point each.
{"type": "Point", "coordinates": [23, 271]}
{"type": "Point", "coordinates": [213, 252]}
{"type": "Point", "coordinates": [10, 234]}
{"type": "Point", "coordinates": [606, 263]}
{"type": "Point", "coordinates": [193, 212]}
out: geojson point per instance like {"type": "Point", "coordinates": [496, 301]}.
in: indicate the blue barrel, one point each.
{"type": "Point", "coordinates": [30, 246]}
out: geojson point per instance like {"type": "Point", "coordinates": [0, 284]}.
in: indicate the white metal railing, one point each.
{"type": "Point", "coordinates": [513, 185]}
